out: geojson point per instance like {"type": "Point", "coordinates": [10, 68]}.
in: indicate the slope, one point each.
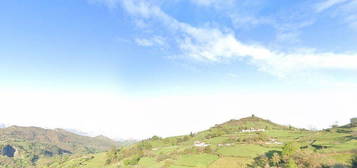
{"type": "Point", "coordinates": [24, 146]}
{"type": "Point", "coordinates": [237, 143]}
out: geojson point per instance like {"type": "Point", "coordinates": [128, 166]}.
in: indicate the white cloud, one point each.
{"type": "Point", "coordinates": [219, 46]}
{"type": "Point", "coordinates": [212, 44]}
{"type": "Point", "coordinates": [152, 41]}
{"type": "Point", "coordinates": [249, 21]}
{"type": "Point", "coordinates": [326, 4]}
{"type": "Point", "coordinates": [349, 13]}
{"type": "Point", "coordinates": [346, 11]}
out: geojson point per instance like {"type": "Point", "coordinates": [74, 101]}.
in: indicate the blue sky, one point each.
{"type": "Point", "coordinates": [137, 51]}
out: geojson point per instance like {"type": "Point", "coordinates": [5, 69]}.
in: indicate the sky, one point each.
{"type": "Point", "coordinates": [138, 68]}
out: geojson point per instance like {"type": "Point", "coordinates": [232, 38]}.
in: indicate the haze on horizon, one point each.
{"type": "Point", "coordinates": [138, 68]}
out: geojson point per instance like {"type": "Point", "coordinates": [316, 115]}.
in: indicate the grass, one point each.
{"type": "Point", "coordinates": [243, 150]}
{"type": "Point", "coordinates": [231, 162]}
{"type": "Point", "coordinates": [149, 162]}
{"type": "Point", "coordinates": [196, 160]}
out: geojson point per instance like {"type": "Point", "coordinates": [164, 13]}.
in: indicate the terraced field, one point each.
{"type": "Point", "coordinates": [235, 144]}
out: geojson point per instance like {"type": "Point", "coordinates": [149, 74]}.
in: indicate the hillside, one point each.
{"type": "Point", "coordinates": [26, 145]}
{"type": "Point", "coordinates": [248, 142]}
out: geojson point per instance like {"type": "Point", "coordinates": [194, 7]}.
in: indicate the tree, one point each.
{"type": "Point", "coordinates": [289, 149]}
{"type": "Point", "coordinates": [155, 138]}
{"type": "Point", "coordinates": [276, 159]}
{"type": "Point", "coordinates": [192, 134]}
{"type": "Point", "coordinates": [353, 122]}
{"type": "Point", "coordinates": [335, 125]}
{"type": "Point", "coordinates": [112, 156]}
{"type": "Point", "coordinates": [260, 161]}
{"type": "Point", "coordinates": [354, 161]}
{"type": "Point", "coordinates": [307, 159]}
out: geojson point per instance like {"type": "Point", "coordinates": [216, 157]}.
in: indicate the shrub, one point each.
{"type": "Point", "coordinates": [276, 159]}
{"type": "Point", "coordinates": [192, 134]}
{"type": "Point", "coordinates": [207, 149]}
{"type": "Point", "coordinates": [133, 160]}
{"type": "Point", "coordinates": [260, 161]}
{"type": "Point", "coordinates": [289, 149]}
{"type": "Point", "coordinates": [155, 138]}
{"type": "Point", "coordinates": [307, 159]}
{"type": "Point", "coordinates": [112, 156]}
{"type": "Point", "coordinates": [291, 164]}
{"type": "Point", "coordinates": [354, 161]}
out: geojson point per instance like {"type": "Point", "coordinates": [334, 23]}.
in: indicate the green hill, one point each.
{"type": "Point", "coordinates": [24, 146]}
{"type": "Point", "coordinates": [248, 142]}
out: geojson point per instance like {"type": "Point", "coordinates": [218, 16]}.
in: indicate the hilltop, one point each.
{"type": "Point", "coordinates": [248, 142]}
{"type": "Point", "coordinates": [252, 122]}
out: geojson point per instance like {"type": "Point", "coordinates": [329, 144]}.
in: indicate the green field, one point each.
{"type": "Point", "coordinates": [228, 146]}
{"type": "Point", "coordinates": [249, 142]}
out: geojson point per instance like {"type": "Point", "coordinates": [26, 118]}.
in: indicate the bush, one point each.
{"type": "Point", "coordinates": [291, 164]}
{"type": "Point", "coordinates": [354, 161]}
{"type": "Point", "coordinates": [155, 138]}
{"type": "Point", "coordinates": [207, 149]}
{"type": "Point", "coordinates": [112, 156]}
{"type": "Point", "coordinates": [307, 159]}
{"type": "Point", "coordinates": [133, 160]}
{"type": "Point", "coordinates": [260, 161]}
{"type": "Point", "coordinates": [289, 149]}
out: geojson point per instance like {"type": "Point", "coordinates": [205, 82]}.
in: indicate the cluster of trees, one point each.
{"type": "Point", "coordinates": [130, 156]}
{"type": "Point", "coordinates": [290, 157]}
{"type": "Point", "coordinates": [113, 156]}
{"type": "Point", "coordinates": [354, 162]}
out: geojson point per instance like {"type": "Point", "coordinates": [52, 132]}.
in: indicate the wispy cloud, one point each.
{"type": "Point", "coordinates": [349, 13]}
{"type": "Point", "coordinates": [344, 10]}
{"type": "Point", "coordinates": [326, 4]}
{"type": "Point", "coordinates": [287, 23]}
{"type": "Point", "coordinates": [215, 45]}
{"type": "Point", "coordinates": [152, 41]}
{"type": "Point", "coordinates": [248, 21]}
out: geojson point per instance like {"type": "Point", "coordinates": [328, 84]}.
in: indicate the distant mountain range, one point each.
{"type": "Point", "coordinates": [32, 143]}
